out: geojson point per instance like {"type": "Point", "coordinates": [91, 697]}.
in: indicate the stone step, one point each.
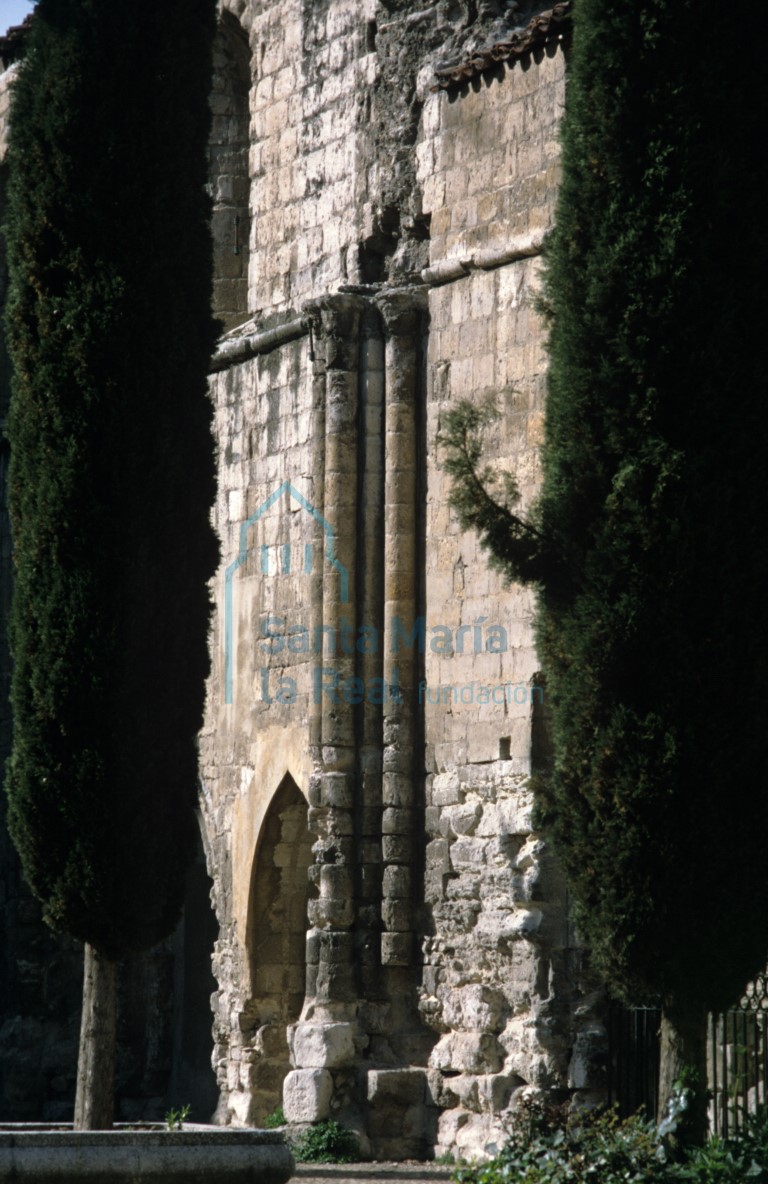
{"type": "Point", "coordinates": [408, 1172]}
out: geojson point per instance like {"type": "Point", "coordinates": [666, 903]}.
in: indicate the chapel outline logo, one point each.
{"type": "Point", "coordinates": [329, 551]}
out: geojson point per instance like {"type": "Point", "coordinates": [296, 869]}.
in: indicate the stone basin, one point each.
{"type": "Point", "coordinates": [143, 1154]}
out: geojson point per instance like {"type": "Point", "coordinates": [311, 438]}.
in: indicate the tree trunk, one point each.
{"type": "Point", "coordinates": [684, 1060]}
{"type": "Point", "coordinates": [95, 1097]}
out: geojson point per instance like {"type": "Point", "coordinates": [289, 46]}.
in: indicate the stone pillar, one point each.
{"type": "Point", "coordinates": [323, 1041]}
{"type": "Point", "coordinates": [370, 667]}
{"type": "Point", "coordinates": [402, 311]}
{"type": "Point", "coordinates": [317, 361]}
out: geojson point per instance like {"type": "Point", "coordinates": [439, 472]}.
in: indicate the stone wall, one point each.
{"type": "Point", "coordinates": [498, 983]}
{"type": "Point", "coordinates": [393, 943]}
{"type": "Point", "coordinates": [364, 650]}
{"type": "Point", "coordinates": [228, 164]}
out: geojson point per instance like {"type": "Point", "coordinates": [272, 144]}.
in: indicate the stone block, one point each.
{"type": "Point", "coordinates": [479, 1137]}
{"type": "Point", "coordinates": [438, 857]}
{"type": "Point", "coordinates": [446, 790]}
{"type": "Point", "coordinates": [434, 887]}
{"type": "Point", "coordinates": [270, 1040]}
{"type": "Point", "coordinates": [397, 821]}
{"type": "Point", "coordinates": [586, 1070]}
{"type": "Point", "coordinates": [397, 849]}
{"type": "Point", "coordinates": [461, 820]}
{"type": "Point", "coordinates": [331, 912]}
{"type": "Point", "coordinates": [467, 1052]}
{"type": "Point", "coordinates": [370, 820]}
{"type": "Point", "coordinates": [307, 1095]}
{"type": "Point", "coordinates": [322, 1046]}
{"type": "Point", "coordinates": [337, 789]}
{"type": "Point", "coordinates": [397, 949]}
{"type": "Point", "coordinates": [509, 816]}
{"type": "Point", "coordinates": [335, 983]}
{"type": "Point", "coordinates": [336, 946]}
{"type": "Point", "coordinates": [397, 883]}
{"type": "Point", "coordinates": [448, 1126]}
{"type": "Point", "coordinates": [478, 1006]}
{"type": "Point", "coordinates": [500, 926]}
{"type": "Point", "coordinates": [406, 1087]}
{"type": "Point", "coordinates": [468, 852]}
{"type": "Point", "coordinates": [335, 881]}
{"type": "Point", "coordinates": [397, 915]}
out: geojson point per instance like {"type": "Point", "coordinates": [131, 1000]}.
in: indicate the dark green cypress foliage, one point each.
{"type": "Point", "coordinates": [653, 627]}
{"type": "Point", "coordinates": [112, 471]}
{"type": "Point", "coordinates": [648, 545]}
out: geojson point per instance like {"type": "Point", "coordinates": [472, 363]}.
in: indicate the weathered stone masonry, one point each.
{"type": "Point", "coordinates": [394, 947]}
{"type": "Point", "coordinates": [372, 675]}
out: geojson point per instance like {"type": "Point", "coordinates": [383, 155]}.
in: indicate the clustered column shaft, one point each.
{"type": "Point", "coordinates": [371, 599]}
{"type": "Point", "coordinates": [330, 977]}
{"type": "Point", "coordinates": [364, 711]}
{"type": "Point", "coordinates": [402, 314]}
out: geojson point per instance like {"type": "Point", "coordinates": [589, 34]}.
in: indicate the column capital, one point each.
{"type": "Point", "coordinates": [402, 309]}
{"type": "Point", "coordinates": [335, 322]}
{"type": "Point", "coordinates": [336, 310]}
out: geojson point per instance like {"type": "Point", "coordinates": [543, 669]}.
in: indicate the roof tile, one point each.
{"type": "Point", "coordinates": [545, 27]}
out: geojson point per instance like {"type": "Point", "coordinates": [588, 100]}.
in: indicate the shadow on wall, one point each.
{"type": "Point", "coordinates": [229, 171]}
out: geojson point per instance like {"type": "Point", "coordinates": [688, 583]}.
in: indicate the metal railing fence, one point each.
{"type": "Point", "coordinates": [737, 1059]}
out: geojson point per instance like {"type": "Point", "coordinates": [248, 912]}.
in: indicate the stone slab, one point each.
{"type": "Point", "coordinates": [144, 1157]}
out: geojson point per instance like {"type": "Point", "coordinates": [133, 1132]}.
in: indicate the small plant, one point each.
{"type": "Point", "coordinates": [275, 1119]}
{"type": "Point", "coordinates": [176, 1118]}
{"type": "Point", "coordinates": [326, 1142]}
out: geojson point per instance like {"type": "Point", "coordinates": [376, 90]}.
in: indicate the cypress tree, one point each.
{"type": "Point", "coordinates": [112, 476]}
{"type": "Point", "coordinates": [651, 571]}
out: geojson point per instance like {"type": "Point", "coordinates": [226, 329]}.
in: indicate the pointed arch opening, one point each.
{"type": "Point", "coordinates": [276, 940]}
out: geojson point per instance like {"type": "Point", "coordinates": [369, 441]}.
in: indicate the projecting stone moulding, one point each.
{"type": "Point", "coordinates": [446, 270]}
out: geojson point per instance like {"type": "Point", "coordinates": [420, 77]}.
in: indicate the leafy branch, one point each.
{"type": "Point", "coordinates": [483, 498]}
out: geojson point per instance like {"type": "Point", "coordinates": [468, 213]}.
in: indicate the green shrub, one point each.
{"type": "Point", "coordinates": [275, 1119]}
{"type": "Point", "coordinates": [740, 1159]}
{"type": "Point", "coordinates": [326, 1142]}
{"type": "Point", "coordinates": [602, 1149]}
{"type": "Point", "coordinates": [599, 1150]}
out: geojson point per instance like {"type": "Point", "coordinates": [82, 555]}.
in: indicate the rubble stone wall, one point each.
{"type": "Point", "coordinates": [498, 980]}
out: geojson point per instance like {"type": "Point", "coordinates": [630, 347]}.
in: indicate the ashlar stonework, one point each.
{"type": "Point", "coordinates": [394, 945]}
{"type": "Point", "coordinates": [395, 949]}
